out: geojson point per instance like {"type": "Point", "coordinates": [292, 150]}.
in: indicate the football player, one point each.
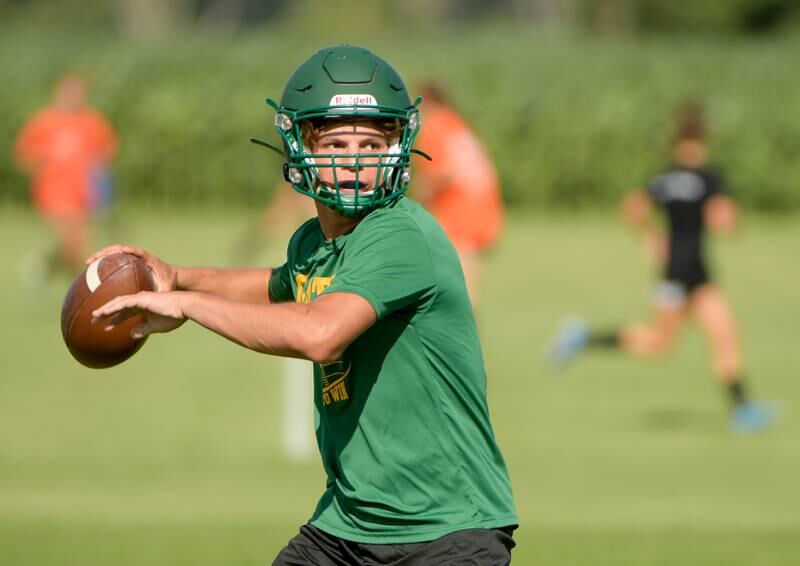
{"type": "Point", "coordinates": [693, 198]}
{"type": "Point", "coordinates": [372, 292]}
{"type": "Point", "coordinates": [65, 148]}
{"type": "Point", "coordinates": [459, 185]}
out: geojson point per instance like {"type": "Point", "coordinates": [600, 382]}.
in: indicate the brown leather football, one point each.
{"type": "Point", "coordinates": [108, 277]}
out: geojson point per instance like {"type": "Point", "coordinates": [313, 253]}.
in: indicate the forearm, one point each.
{"type": "Point", "coordinates": [284, 329]}
{"type": "Point", "coordinates": [248, 285]}
{"type": "Point", "coordinates": [720, 215]}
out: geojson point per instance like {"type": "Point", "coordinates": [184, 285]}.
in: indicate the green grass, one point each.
{"type": "Point", "coordinates": [174, 457]}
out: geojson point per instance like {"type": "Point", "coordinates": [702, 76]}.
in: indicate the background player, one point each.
{"type": "Point", "coordinates": [373, 293]}
{"type": "Point", "coordinates": [459, 186]}
{"type": "Point", "coordinates": [66, 148]}
{"type": "Point", "coordinates": [693, 198]}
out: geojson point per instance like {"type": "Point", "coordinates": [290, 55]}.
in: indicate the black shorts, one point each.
{"type": "Point", "coordinates": [473, 547]}
{"type": "Point", "coordinates": [689, 275]}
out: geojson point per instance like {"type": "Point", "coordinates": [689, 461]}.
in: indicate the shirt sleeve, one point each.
{"type": "Point", "coordinates": [29, 143]}
{"type": "Point", "coordinates": [280, 285]}
{"type": "Point", "coordinates": [389, 265]}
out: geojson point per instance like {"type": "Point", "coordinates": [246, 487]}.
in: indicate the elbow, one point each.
{"type": "Point", "coordinates": [321, 353]}
{"type": "Point", "coordinates": [323, 345]}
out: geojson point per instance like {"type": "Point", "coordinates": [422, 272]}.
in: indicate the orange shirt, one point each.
{"type": "Point", "coordinates": [62, 149]}
{"type": "Point", "coordinates": [466, 197]}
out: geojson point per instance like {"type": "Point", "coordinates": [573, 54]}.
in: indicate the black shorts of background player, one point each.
{"type": "Point", "coordinates": [693, 199]}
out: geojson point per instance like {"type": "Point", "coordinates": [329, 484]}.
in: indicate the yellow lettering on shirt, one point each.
{"type": "Point", "coordinates": [333, 374]}
{"type": "Point", "coordinates": [334, 383]}
{"type": "Point", "coordinates": [307, 290]}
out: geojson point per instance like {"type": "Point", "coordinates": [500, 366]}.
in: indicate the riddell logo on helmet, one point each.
{"type": "Point", "coordinates": [353, 100]}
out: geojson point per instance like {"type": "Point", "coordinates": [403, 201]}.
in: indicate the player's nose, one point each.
{"type": "Point", "coordinates": [350, 163]}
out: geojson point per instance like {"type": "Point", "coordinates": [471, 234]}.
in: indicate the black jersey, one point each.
{"type": "Point", "coordinates": [682, 194]}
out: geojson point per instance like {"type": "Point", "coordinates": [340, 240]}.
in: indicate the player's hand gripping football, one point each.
{"type": "Point", "coordinates": [164, 274]}
{"type": "Point", "coordinates": [163, 310]}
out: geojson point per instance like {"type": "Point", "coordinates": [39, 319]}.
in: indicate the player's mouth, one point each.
{"type": "Point", "coordinates": [350, 191]}
{"type": "Point", "coordinates": [349, 188]}
{"type": "Point", "coordinates": [352, 185]}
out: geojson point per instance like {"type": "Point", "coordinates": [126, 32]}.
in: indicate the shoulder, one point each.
{"type": "Point", "coordinates": [441, 117]}
{"type": "Point", "coordinates": [449, 114]}
{"type": "Point", "coordinates": [710, 173]}
{"type": "Point", "coordinates": [404, 215]}
{"type": "Point", "coordinates": [656, 186]}
{"type": "Point", "coordinates": [403, 228]}
{"type": "Point", "coordinates": [713, 180]}
{"type": "Point", "coordinates": [41, 118]}
{"type": "Point", "coordinates": [308, 229]}
{"type": "Point", "coordinates": [94, 118]}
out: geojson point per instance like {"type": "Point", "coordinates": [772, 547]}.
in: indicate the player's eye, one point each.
{"type": "Point", "coordinates": [334, 145]}
{"type": "Point", "coordinates": [373, 146]}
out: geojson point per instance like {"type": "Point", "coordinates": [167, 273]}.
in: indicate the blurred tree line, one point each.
{"type": "Point", "coordinates": [152, 18]}
{"type": "Point", "coordinates": [573, 117]}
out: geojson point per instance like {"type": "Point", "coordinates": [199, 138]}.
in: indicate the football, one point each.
{"type": "Point", "coordinates": [108, 277]}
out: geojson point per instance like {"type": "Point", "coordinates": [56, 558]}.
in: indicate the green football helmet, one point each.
{"type": "Point", "coordinates": [340, 83]}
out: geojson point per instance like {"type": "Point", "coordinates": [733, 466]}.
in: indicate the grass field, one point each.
{"type": "Point", "coordinates": [174, 457]}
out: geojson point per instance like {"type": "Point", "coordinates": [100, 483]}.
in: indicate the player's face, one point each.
{"type": "Point", "coordinates": [348, 140]}
{"type": "Point", "coordinates": [691, 153]}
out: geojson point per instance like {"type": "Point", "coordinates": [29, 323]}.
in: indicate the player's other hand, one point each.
{"type": "Point", "coordinates": [165, 274]}
{"type": "Point", "coordinates": [163, 312]}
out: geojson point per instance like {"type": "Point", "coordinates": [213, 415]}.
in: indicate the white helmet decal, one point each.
{"type": "Point", "coordinates": [353, 100]}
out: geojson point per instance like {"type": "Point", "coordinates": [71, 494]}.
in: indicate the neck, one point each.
{"type": "Point", "coordinates": [333, 224]}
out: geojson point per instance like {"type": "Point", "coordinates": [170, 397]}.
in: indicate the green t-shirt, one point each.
{"type": "Point", "coordinates": [403, 427]}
